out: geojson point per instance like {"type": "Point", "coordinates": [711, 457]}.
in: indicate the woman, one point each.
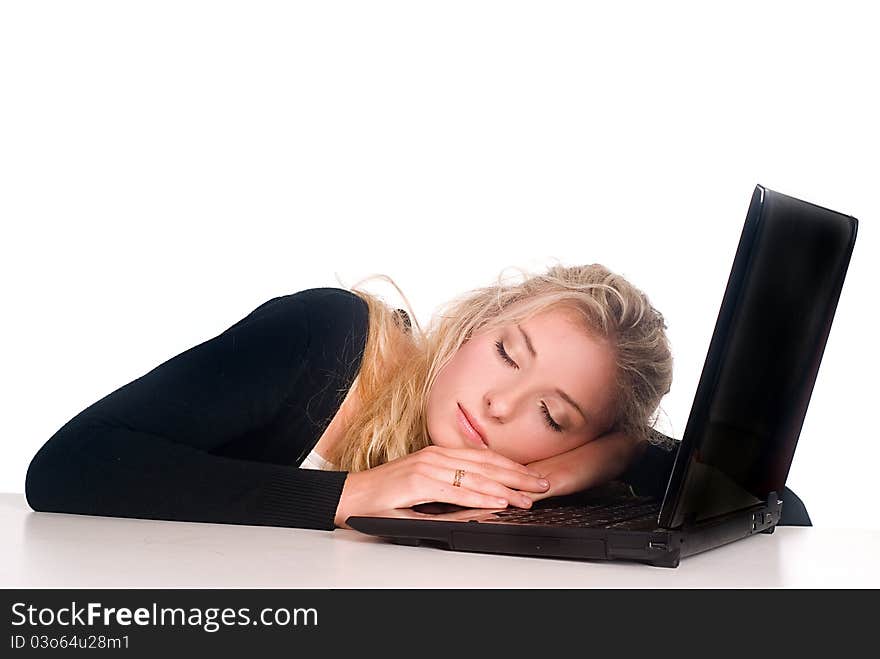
{"type": "Point", "coordinates": [325, 404]}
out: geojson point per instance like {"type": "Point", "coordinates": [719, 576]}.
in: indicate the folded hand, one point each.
{"type": "Point", "coordinates": [487, 480]}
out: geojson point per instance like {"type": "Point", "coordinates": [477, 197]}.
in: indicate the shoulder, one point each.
{"type": "Point", "coordinates": [319, 303]}
{"type": "Point", "coordinates": [338, 321]}
{"type": "Point", "coordinates": [332, 311]}
{"type": "Point", "coordinates": [324, 314]}
{"type": "Point", "coordinates": [331, 299]}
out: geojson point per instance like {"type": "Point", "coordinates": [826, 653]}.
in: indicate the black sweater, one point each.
{"type": "Point", "coordinates": [216, 433]}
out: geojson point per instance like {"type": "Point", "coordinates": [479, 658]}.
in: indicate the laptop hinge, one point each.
{"type": "Point", "coordinates": [764, 515]}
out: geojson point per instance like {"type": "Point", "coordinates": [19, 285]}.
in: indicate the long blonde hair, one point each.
{"type": "Point", "coordinates": [399, 366]}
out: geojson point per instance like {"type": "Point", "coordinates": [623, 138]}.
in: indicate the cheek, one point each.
{"type": "Point", "coordinates": [460, 372]}
{"type": "Point", "coordinates": [438, 396]}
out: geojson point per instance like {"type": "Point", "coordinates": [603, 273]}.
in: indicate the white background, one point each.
{"type": "Point", "coordinates": [167, 166]}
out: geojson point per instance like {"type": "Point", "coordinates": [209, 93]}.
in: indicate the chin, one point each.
{"type": "Point", "coordinates": [442, 443]}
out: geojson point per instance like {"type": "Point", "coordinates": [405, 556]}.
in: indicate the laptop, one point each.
{"type": "Point", "coordinates": [739, 441]}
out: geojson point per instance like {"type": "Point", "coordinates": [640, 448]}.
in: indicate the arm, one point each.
{"type": "Point", "coordinates": [589, 465]}
{"type": "Point", "coordinates": [150, 449]}
{"type": "Point", "coordinates": [641, 464]}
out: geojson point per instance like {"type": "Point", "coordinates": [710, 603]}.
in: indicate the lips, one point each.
{"type": "Point", "coordinates": [471, 429]}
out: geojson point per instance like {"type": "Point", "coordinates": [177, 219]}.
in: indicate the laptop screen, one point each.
{"type": "Point", "coordinates": [763, 358]}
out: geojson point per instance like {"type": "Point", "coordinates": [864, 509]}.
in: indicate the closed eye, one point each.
{"type": "Point", "coordinates": [499, 346]}
{"type": "Point", "coordinates": [501, 351]}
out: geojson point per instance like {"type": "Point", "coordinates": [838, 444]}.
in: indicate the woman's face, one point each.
{"type": "Point", "coordinates": [551, 358]}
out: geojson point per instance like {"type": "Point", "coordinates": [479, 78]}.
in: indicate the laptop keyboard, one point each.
{"type": "Point", "coordinates": [631, 513]}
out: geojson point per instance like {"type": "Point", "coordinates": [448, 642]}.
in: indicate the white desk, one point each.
{"type": "Point", "coordinates": [51, 550]}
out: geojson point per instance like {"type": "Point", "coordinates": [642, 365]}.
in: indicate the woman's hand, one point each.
{"type": "Point", "coordinates": [589, 465]}
{"type": "Point", "coordinates": [489, 481]}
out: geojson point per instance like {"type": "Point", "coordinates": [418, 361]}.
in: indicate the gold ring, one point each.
{"type": "Point", "coordinates": [458, 474]}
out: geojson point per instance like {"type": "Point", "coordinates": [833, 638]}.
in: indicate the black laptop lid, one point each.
{"type": "Point", "coordinates": [763, 358]}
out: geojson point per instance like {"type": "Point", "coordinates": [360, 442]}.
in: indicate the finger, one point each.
{"type": "Point", "coordinates": [476, 482]}
{"type": "Point", "coordinates": [514, 479]}
{"type": "Point", "coordinates": [487, 456]}
{"type": "Point", "coordinates": [536, 496]}
{"type": "Point", "coordinates": [467, 498]}
{"type": "Point", "coordinates": [436, 490]}
{"type": "Point", "coordinates": [511, 479]}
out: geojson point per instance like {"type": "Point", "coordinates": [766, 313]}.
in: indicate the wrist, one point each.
{"type": "Point", "coordinates": [347, 501]}
{"type": "Point", "coordinates": [341, 514]}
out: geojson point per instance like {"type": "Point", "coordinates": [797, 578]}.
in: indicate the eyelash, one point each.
{"type": "Point", "coordinates": [499, 345]}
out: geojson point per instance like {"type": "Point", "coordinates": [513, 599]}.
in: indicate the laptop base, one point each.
{"type": "Point", "coordinates": [658, 547]}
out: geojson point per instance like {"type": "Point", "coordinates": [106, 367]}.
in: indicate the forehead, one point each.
{"type": "Point", "coordinates": [560, 331]}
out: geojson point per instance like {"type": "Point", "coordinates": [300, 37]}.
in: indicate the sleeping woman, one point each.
{"type": "Point", "coordinates": [327, 403]}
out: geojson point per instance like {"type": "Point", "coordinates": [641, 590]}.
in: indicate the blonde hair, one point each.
{"type": "Point", "coordinates": [399, 366]}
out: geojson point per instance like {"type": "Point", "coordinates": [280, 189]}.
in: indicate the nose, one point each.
{"type": "Point", "coordinates": [500, 406]}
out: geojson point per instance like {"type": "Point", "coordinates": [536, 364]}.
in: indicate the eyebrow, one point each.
{"type": "Point", "coordinates": [568, 399]}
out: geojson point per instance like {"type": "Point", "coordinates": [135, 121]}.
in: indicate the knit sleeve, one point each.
{"type": "Point", "coordinates": [145, 450]}
{"type": "Point", "coordinates": [649, 473]}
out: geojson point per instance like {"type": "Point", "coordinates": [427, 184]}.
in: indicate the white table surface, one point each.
{"type": "Point", "coordinates": [53, 550]}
